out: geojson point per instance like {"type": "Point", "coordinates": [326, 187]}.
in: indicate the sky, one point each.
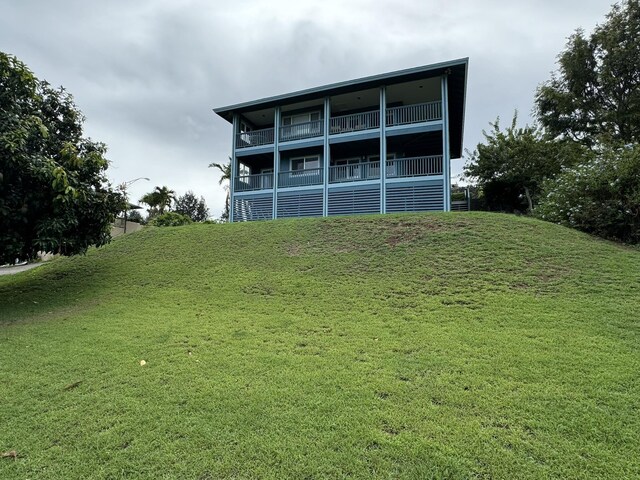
{"type": "Point", "coordinates": [147, 73]}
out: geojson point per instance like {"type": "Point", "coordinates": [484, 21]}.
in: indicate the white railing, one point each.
{"type": "Point", "coordinates": [260, 181]}
{"type": "Point", "coordinates": [414, 166]}
{"type": "Point", "coordinates": [421, 112]}
{"type": "Point", "coordinates": [354, 172]}
{"type": "Point", "coordinates": [301, 130]}
{"type": "Point", "coordinates": [300, 178]}
{"type": "Point", "coordinates": [255, 138]}
{"type": "Point", "coordinates": [355, 122]}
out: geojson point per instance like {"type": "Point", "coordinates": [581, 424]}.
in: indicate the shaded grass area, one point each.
{"type": "Point", "coordinates": [414, 346]}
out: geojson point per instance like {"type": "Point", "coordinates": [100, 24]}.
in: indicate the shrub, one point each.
{"type": "Point", "coordinates": [599, 196]}
{"type": "Point", "coordinates": [170, 219]}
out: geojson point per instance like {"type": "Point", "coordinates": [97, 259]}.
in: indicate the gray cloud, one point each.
{"type": "Point", "coordinates": [147, 74]}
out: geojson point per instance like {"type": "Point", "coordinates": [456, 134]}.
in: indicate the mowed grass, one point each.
{"type": "Point", "coordinates": [403, 346]}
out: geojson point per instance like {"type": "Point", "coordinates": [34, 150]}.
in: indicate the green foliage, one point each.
{"type": "Point", "coordinates": [511, 165]}
{"type": "Point", "coordinates": [595, 96]}
{"type": "Point", "coordinates": [434, 346]}
{"type": "Point", "coordinates": [225, 178]}
{"type": "Point", "coordinates": [601, 196]}
{"type": "Point", "coordinates": [158, 200]}
{"type": "Point", "coordinates": [135, 216]}
{"type": "Point", "coordinates": [192, 207]}
{"type": "Point", "coordinates": [170, 219]}
{"type": "Point", "coordinates": [54, 194]}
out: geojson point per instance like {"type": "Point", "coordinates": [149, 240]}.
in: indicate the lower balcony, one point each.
{"type": "Point", "coordinates": [423, 166]}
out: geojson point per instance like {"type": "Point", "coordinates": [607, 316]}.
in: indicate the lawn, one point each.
{"type": "Point", "coordinates": [403, 346]}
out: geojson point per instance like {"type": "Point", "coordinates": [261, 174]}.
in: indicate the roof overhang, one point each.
{"type": "Point", "coordinates": [456, 71]}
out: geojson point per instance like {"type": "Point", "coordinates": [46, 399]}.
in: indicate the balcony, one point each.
{"type": "Point", "coordinates": [356, 122]}
{"type": "Point", "coordinates": [299, 131]}
{"type": "Point", "coordinates": [418, 113]}
{"type": "Point", "coordinates": [261, 181]}
{"type": "Point", "coordinates": [300, 178]}
{"type": "Point", "coordinates": [255, 138]}
{"type": "Point", "coordinates": [414, 167]}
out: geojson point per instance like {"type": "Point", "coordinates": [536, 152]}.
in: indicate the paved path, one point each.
{"type": "Point", "coordinates": [18, 268]}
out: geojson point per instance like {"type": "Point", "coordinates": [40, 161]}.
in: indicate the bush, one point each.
{"type": "Point", "coordinates": [170, 219]}
{"type": "Point", "coordinates": [600, 196]}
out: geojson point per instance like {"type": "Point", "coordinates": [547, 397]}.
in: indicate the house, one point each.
{"type": "Point", "coordinates": [319, 152]}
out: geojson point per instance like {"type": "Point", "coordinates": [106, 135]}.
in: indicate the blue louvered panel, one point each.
{"type": "Point", "coordinates": [253, 207]}
{"type": "Point", "coordinates": [351, 201]}
{"type": "Point", "coordinates": [300, 204]}
{"type": "Point", "coordinates": [415, 198]}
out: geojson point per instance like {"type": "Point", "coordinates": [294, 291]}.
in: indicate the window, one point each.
{"type": "Point", "coordinates": [300, 118]}
{"type": "Point", "coordinates": [300, 164]}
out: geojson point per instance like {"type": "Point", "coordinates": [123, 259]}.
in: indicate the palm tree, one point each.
{"type": "Point", "coordinates": [225, 169]}
{"type": "Point", "coordinates": [158, 200]}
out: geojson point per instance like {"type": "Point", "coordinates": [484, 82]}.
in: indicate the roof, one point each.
{"type": "Point", "coordinates": [457, 85]}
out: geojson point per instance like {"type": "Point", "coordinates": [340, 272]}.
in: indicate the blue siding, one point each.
{"type": "Point", "coordinates": [254, 207]}
{"type": "Point", "coordinates": [306, 203]}
{"type": "Point", "coordinates": [415, 197]}
{"type": "Point", "coordinates": [354, 200]}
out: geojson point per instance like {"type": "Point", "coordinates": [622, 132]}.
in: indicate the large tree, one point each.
{"type": "Point", "coordinates": [54, 194]}
{"type": "Point", "coordinates": [510, 166]}
{"type": "Point", "coordinates": [595, 95]}
{"type": "Point", "coordinates": [192, 207]}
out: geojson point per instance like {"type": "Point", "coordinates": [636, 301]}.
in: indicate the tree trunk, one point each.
{"type": "Point", "coordinates": [529, 201]}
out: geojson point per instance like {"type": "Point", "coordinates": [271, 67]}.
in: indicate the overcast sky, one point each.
{"type": "Point", "coordinates": [147, 73]}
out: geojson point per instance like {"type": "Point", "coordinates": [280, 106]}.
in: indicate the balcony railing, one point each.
{"type": "Point", "coordinates": [302, 130]}
{"type": "Point", "coordinates": [355, 122]}
{"type": "Point", "coordinates": [414, 166]}
{"type": "Point", "coordinates": [255, 138]}
{"type": "Point", "coordinates": [300, 178]}
{"type": "Point", "coordinates": [420, 112]}
{"type": "Point", "coordinates": [259, 181]}
{"type": "Point", "coordinates": [354, 173]}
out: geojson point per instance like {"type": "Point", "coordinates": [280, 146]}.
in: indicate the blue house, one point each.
{"type": "Point", "coordinates": [319, 152]}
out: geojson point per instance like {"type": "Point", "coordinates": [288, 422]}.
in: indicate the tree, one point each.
{"type": "Point", "coordinates": [225, 169]}
{"type": "Point", "coordinates": [54, 194]}
{"type": "Point", "coordinates": [158, 200]}
{"type": "Point", "coordinates": [511, 165]}
{"type": "Point", "coordinates": [600, 196]}
{"type": "Point", "coordinates": [135, 216]}
{"type": "Point", "coordinates": [170, 219]}
{"type": "Point", "coordinates": [189, 205]}
{"type": "Point", "coordinates": [595, 95]}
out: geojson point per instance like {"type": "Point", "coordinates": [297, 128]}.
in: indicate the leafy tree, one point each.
{"type": "Point", "coordinates": [511, 165]}
{"type": "Point", "coordinates": [225, 179]}
{"type": "Point", "coordinates": [135, 216]}
{"type": "Point", "coordinates": [194, 208]}
{"type": "Point", "coordinates": [158, 200]}
{"type": "Point", "coordinates": [170, 219]}
{"type": "Point", "coordinates": [54, 194]}
{"type": "Point", "coordinates": [595, 95]}
{"type": "Point", "coordinates": [600, 196]}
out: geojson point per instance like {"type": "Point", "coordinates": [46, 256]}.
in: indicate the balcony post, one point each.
{"type": "Point", "coordinates": [383, 148]}
{"type": "Point", "coordinates": [326, 158]}
{"type": "Point", "coordinates": [446, 161]}
{"type": "Point", "coordinates": [276, 160]}
{"type": "Point", "coordinates": [234, 165]}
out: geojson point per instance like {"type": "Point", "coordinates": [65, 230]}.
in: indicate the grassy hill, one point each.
{"type": "Point", "coordinates": [412, 346]}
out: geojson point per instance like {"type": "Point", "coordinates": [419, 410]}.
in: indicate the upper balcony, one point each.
{"type": "Point", "coordinates": [355, 122]}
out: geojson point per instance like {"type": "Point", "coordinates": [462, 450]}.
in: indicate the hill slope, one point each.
{"type": "Point", "coordinates": [416, 346]}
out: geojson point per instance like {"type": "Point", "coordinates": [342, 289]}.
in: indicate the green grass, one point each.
{"type": "Point", "coordinates": [404, 346]}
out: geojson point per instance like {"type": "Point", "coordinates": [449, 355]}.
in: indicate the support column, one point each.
{"type": "Point", "coordinates": [234, 165]}
{"type": "Point", "coordinates": [326, 158]}
{"type": "Point", "coordinates": [446, 155]}
{"type": "Point", "coordinates": [276, 159]}
{"type": "Point", "coordinates": [383, 149]}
